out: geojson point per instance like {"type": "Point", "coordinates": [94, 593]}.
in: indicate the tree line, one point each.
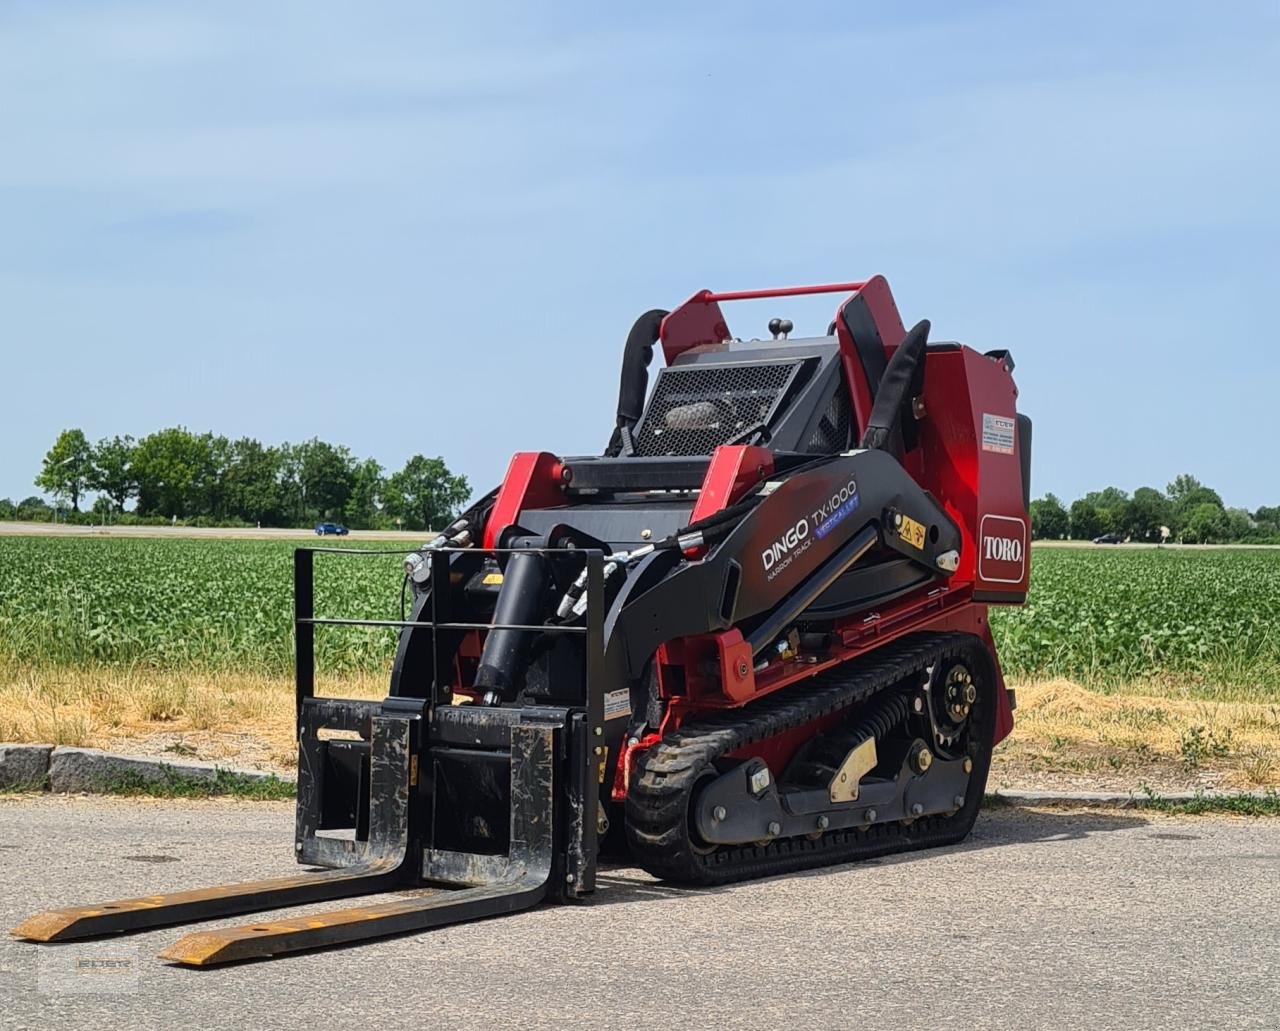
{"type": "Point", "coordinates": [204, 478]}
{"type": "Point", "coordinates": [1185, 511]}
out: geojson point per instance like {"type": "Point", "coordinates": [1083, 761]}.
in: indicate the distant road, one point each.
{"type": "Point", "coordinates": [270, 533]}
{"type": "Point", "coordinates": [249, 532]}
{"type": "Point", "coordinates": [1137, 546]}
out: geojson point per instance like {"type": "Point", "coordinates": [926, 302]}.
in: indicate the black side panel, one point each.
{"type": "Point", "coordinates": [864, 586]}
{"type": "Point", "coordinates": [783, 542]}
{"type": "Point", "coordinates": [866, 340]}
{"type": "Point", "coordinates": [619, 475]}
{"type": "Point", "coordinates": [887, 428]}
{"type": "Point", "coordinates": [1024, 453]}
{"type": "Point", "coordinates": [618, 524]}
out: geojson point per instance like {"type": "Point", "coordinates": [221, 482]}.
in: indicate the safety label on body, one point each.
{"type": "Point", "coordinates": [997, 434]}
{"type": "Point", "coordinates": [912, 532]}
{"type": "Point", "coordinates": [617, 704]}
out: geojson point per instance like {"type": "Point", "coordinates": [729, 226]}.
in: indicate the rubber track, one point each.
{"type": "Point", "coordinates": [657, 808]}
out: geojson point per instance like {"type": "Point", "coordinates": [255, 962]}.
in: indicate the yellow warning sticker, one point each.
{"type": "Point", "coordinates": [490, 579]}
{"type": "Point", "coordinates": [912, 532]}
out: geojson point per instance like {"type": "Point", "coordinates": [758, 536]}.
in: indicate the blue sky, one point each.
{"type": "Point", "coordinates": [427, 228]}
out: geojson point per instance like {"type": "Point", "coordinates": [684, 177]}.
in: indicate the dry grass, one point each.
{"type": "Point", "coordinates": [216, 716]}
{"type": "Point", "coordinates": [1128, 735]}
{"type": "Point", "coordinates": [1064, 733]}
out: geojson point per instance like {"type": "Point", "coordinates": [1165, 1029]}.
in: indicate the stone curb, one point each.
{"type": "Point", "coordinates": [24, 767]}
{"type": "Point", "coordinates": [72, 770]}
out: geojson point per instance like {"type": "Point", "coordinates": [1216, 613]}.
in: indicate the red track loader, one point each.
{"type": "Point", "coordinates": [750, 638]}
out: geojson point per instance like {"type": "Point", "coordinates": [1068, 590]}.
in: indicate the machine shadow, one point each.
{"type": "Point", "coordinates": [997, 827]}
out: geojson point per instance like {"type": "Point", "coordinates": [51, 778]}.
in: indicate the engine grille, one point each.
{"type": "Point", "coordinates": [831, 435]}
{"type": "Point", "coordinates": [695, 409]}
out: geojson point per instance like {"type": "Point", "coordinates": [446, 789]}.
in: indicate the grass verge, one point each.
{"type": "Point", "coordinates": [1240, 805]}
{"type": "Point", "coordinates": [225, 783]}
{"type": "Point", "coordinates": [1140, 734]}
{"type": "Point", "coordinates": [175, 784]}
{"type": "Point", "coordinates": [1267, 804]}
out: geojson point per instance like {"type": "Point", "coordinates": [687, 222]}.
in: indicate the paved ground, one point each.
{"type": "Point", "coordinates": [1043, 919]}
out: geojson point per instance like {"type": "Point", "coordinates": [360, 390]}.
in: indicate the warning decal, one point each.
{"type": "Point", "coordinates": [997, 434]}
{"type": "Point", "coordinates": [617, 704]}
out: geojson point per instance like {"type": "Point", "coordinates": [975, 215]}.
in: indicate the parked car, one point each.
{"type": "Point", "coordinates": [1109, 538]}
{"type": "Point", "coordinates": [326, 529]}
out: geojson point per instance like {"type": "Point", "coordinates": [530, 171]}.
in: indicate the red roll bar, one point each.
{"type": "Point", "coordinates": [780, 291]}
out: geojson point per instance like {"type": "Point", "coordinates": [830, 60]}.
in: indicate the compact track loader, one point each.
{"type": "Point", "coordinates": [751, 638]}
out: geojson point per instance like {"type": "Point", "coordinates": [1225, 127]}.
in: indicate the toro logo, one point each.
{"type": "Point", "coordinates": [1002, 549]}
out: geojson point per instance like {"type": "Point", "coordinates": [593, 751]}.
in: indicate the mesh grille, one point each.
{"type": "Point", "coordinates": [696, 409]}
{"type": "Point", "coordinates": [832, 432]}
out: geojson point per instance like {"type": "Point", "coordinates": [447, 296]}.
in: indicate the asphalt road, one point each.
{"type": "Point", "coordinates": [1042, 919]}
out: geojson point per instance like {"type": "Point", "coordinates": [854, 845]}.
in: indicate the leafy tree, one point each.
{"type": "Point", "coordinates": [1182, 485]}
{"type": "Point", "coordinates": [252, 490]}
{"type": "Point", "coordinates": [1189, 502]}
{"type": "Point", "coordinates": [209, 493]}
{"type": "Point", "coordinates": [1237, 524]}
{"type": "Point", "coordinates": [68, 466]}
{"type": "Point", "coordinates": [290, 496]}
{"type": "Point", "coordinates": [1187, 494]}
{"type": "Point", "coordinates": [1206, 524]}
{"type": "Point", "coordinates": [1268, 520]}
{"type": "Point", "coordinates": [326, 473]}
{"type": "Point", "coordinates": [361, 511]}
{"type": "Point", "coordinates": [1086, 523]}
{"type": "Point", "coordinates": [1146, 512]}
{"type": "Point", "coordinates": [34, 509]}
{"type": "Point", "coordinates": [8, 510]}
{"type": "Point", "coordinates": [1199, 496]}
{"type": "Point", "coordinates": [1112, 506]}
{"type": "Point", "coordinates": [1049, 520]}
{"type": "Point", "coordinates": [424, 494]}
{"type": "Point", "coordinates": [172, 468]}
{"type": "Point", "coordinates": [112, 472]}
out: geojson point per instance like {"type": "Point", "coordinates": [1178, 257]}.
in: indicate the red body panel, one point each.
{"type": "Point", "coordinates": [533, 480]}
{"type": "Point", "coordinates": [699, 321]}
{"type": "Point", "coordinates": [968, 457]}
{"type": "Point", "coordinates": [972, 463]}
{"type": "Point", "coordinates": [696, 323]}
{"type": "Point", "coordinates": [734, 468]}
{"type": "Point", "coordinates": [875, 293]}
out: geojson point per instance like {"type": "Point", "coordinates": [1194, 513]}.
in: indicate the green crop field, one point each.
{"type": "Point", "coordinates": [187, 603]}
{"type": "Point", "coordinates": [1205, 618]}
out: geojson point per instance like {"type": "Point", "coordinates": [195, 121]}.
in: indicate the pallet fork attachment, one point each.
{"type": "Point", "coordinates": [552, 791]}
